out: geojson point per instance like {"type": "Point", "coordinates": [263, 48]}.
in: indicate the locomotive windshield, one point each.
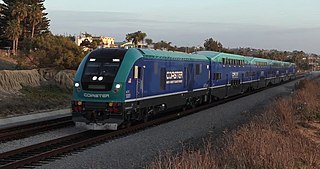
{"type": "Point", "coordinates": [101, 69]}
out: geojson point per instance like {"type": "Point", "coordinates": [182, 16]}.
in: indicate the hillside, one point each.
{"type": "Point", "coordinates": [27, 91]}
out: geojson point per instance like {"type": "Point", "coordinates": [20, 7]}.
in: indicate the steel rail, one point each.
{"type": "Point", "coordinates": [22, 131]}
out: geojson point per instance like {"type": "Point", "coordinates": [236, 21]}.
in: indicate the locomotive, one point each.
{"type": "Point", "coordinates": [114, 87]}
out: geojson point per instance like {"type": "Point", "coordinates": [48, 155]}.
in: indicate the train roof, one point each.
{"type": "Point", "coordinates": [211, 54]}
{"type": "Point", "coordinates": [218, 56]}
{"type": "Point", "coordinates": [261, 60]}
{"type": "Point", "coordinates": [168, 55]}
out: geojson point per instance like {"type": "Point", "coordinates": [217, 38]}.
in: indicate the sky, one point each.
{"type": "Point", "coordinates": [273, 24]}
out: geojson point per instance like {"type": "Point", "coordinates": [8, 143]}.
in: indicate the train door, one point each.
{"type": "Point", "coordinates": [163, 77]}
{"type": "Point", "coordinates": [138, 75]}
{"type": "Point", "coordinates": [190, 77]}
{"type": "Point", "coordinates": [242, 80]}
{"type": "Point", "coordinates": [227, 83]}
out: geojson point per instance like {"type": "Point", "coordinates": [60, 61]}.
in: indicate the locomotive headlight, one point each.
{"type": "Point", "coordinates": [76, 85]}
{"type": "Point", "coordinates": [100, 78]}
{"type": "Point", "coordinates": [118, 86]}
{"type": "Point", "coordinates": [94, 78]}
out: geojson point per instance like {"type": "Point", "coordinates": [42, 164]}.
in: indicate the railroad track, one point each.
{"type": "Point", "coordinates": [22, 131]}
{"type": "Point", "coordinates": [50, 150]}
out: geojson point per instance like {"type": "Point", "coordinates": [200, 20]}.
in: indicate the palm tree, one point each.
{"type": "Point", "coordinates": [141, 36]}
{"type": "Point", "coordinates": [136, 37]}
{"type": "Point", "coordinates": [35, 17]}
{"type": "Point", "coordinates": [132, 37]}
{"type": "Point", "coordinates": [13, 33]}
{"type": "Point", "coordinates": [20, 12]}
{"type": "Point", "coordinates": [149, 41]}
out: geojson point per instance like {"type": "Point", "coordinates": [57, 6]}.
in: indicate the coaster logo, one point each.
{"type": "Point", "coordinates": [96, 95]}
{"type": "Point", "coordinates": [174, 77]}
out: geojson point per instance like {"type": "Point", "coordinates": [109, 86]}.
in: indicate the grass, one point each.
{"type": "Point", "coordinates": [7, 63]}
{"type": "Point", "coordinates": [48, 92]}
{"type": "Point", "coordinates": [35, 99]}
{"type": "Point", "coordinates": [271, 140]}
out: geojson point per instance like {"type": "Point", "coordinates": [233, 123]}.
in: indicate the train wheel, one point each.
{"type": "Point", "coordinates": [192, 103]}
{"type": "Point", "coordinates": [184, 108]}
{"type": "Point", "coordinates": [146, 118]}
{"type": "Point", "coordinates": [127, 124]}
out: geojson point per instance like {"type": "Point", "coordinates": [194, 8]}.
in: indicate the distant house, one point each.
{"type": "Point", "coordinates": [81, 38]}
{"type": "Point", "coordinates": [108, 42]}
{"type": "Point", "coordinates": [130, 45]}
{"type": "Point", "coordinates": [124, 44]}
{"type": "Point", "coordinates": [102, 41]}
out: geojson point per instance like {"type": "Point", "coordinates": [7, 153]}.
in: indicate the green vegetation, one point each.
{"type": "Point", "coordinates": [36, 99]}
{"type": "Point", "coordinates": [21, 19]}
{"type": "Point", "coordinates": [6, 65]}
{"type": "Point", "coordinates": [50, 51]}
{"type": "Point", "coordinates": [164, 45]}
{"type": "Point", "coordinates": [149, 41]}
{"type": "Point", "coordinates": [25, 26]}
{"type": "Point", "coordinates": [48, 92]}
{"type": "Point", "coordinates": [96, 42]}
{"type": "Point", "coordinates": [136, 37]}
{"type": "Point", "coordinates": [212, 45]}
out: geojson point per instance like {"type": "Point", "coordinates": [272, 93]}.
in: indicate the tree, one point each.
{"type": "Point", "coordinates": [49, 50]}
{"type": "Point", "coordinates": [212, 45]}
{"type": "Point", "coordinates": [3, 24]}
{"type": "Point", "coordinates": [43, 26]}
{"type": "Point", "coordinates": [13, 32]}
{"type": "Point", "coordinates": [136, 37]}
{"type": "Point", "coordinates": [164, 45]}
{"type": "Point", "coordinates": [34, 16]}
{"type": "Point", "coordinates": [86, 34]}
{"type": "Point", "coordinates": [96, 42]}
{"type": "Point", "coordinates": [28, 13]}
{"type": "Point", "coordinates": [19, 11]}
{"type": "Point", "coordinates": [149, 41]}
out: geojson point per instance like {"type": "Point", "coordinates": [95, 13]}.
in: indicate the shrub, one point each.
{"type": "Point", "coordinates": [271, 140]}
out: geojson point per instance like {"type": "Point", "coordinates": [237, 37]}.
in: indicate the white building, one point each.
{"type": "Point", "coordinates": [81, 38]}
{"type": "Point", "coordinates": [108, 42]}
{"type": "Point", "coordinates": [103, 41]}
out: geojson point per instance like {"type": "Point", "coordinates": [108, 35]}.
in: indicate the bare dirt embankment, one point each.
{"type": "Point", "coordinates": [26, 91]}
{"type": "Point", "coordinates": [11, 82]}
